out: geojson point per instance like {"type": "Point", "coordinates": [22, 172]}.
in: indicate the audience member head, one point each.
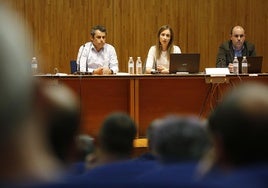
{"type": "Point", "coordinates": [85, 145]}
{"type": "Point", "coordinates": [59, 110]}
{"type": "Point", "coordinates": [15, 77]}
{"type": "Point", "coordinates": [151, 135]}
{"type": "Point", "coordinates": [239, 126]}
{"type": "Point", "coordinates": [25, 157]}
{"type": "Point", "coordinates": [180, 139]}
{"type": "Point", "coordinates": [238, 37]}
{"type": "Point", "coordinates": [117, 134]}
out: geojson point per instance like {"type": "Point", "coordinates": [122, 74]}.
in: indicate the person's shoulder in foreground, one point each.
{"type": "Point", "coordinates": [238, 127]}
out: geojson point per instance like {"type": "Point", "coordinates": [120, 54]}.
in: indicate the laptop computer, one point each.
{"type": "Point", "coordinates": [184, 63]}
{"type": "Point", "coordinates": [254, 64]}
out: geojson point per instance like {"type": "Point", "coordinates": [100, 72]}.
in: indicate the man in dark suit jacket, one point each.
{"type": "Point", "coordinates": [236, 46]}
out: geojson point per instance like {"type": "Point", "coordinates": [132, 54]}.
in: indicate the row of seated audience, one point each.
{"type": "Point", "coordinates": [229, 150]}
{"type": "Point", "coordinates": [40, 143]}
{"type": "Point", "coordinates": [113, 165]}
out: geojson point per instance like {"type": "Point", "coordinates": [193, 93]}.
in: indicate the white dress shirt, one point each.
{"type": "Point", "coordinates": [89, 58]}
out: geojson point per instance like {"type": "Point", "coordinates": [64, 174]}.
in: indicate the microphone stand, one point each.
{"type": "Point", "coordinates": [79, 60]}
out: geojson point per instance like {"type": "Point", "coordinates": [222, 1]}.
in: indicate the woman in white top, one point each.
{"type": "Point", "coordinates": [158, 55]}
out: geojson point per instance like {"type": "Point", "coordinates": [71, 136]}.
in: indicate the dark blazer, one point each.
{"type": "Point", "coordinates": [226, 53]}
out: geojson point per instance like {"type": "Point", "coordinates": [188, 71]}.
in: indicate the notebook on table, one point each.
{"type": "Point", "coordinates": [254, 64]}
{"type": "Point", "coordinates": [184, 63]}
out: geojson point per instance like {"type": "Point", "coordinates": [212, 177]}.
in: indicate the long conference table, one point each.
{"type": "Point", "coordinates": [147, 97]}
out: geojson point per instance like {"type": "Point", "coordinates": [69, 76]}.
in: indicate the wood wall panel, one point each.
{"type": "Point", "coordinates": [59, 27]}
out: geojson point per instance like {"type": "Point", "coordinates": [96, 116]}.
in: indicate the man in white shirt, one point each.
{"type": "Point", "coordinates": [97, 57]}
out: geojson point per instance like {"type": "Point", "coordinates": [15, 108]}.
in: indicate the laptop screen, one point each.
{"type": "Point", "coordinates": [254, 64]}
{"type": "Point", "coordinates": [184, 63]}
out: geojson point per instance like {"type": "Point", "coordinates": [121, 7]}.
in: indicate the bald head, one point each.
{"type": "Point", "coordinates": [250, 99]}
{"type": "Point", "coordinates": [237, 27]}
{"type": "Point", "coordinates": [238, 37]}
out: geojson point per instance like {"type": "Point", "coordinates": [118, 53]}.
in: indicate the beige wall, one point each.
{"type": "Point", "coordinates": [60, 26]}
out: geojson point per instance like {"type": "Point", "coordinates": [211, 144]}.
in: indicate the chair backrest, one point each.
{"type": "Point", "coordinates": [73, 66]}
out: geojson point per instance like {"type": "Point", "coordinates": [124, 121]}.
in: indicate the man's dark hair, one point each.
{"type": "Point", "coordinates": [117, 133]}
{"type": "Point", "coordinates": [97, 27]}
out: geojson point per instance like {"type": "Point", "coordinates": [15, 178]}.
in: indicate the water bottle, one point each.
{"type": "Point", "coordinates": [236, 65]}
{"type": "Point", "coordinates": [34, 66]}
{"type": "Point", "coordinates": [139, 66]}
{"type": "Point", "coordinates": [244, 65]}
{"type": "Point", "coordinates": [131, 65]}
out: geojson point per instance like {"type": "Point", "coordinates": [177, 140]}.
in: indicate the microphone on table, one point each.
{"type": "Point", "coordinates": [154, 71]}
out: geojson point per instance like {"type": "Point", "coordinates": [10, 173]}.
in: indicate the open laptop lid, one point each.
{"type": "Point", "coordinates": [185, 62]}
{"type": "Point", "coordinates": [254, 64]}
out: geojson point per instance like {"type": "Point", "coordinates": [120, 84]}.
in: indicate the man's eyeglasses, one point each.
{"type": "Point", "coordinates": [236, 36]}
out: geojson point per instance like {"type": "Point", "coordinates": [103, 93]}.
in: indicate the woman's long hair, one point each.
{"type": "Point", "coordinates": [170, 44]}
